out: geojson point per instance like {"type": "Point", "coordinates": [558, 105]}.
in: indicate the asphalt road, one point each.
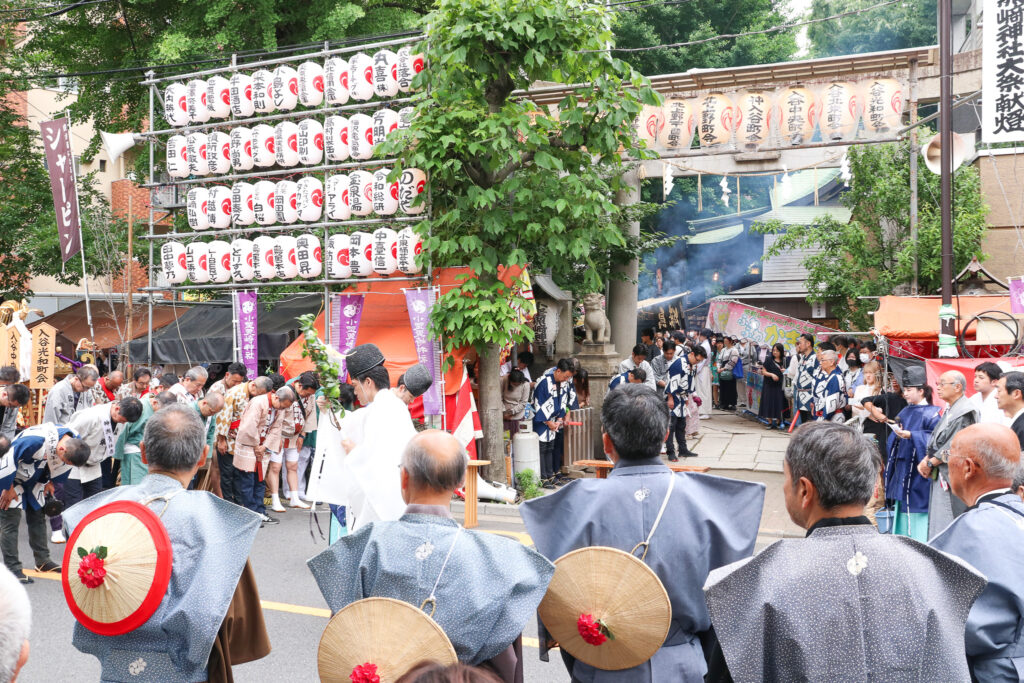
{"type": "Point", "coordinates": [294, 610]}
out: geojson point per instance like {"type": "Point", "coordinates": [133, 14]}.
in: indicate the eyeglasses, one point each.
{"type": "Point", "coordinates": [948, 384]}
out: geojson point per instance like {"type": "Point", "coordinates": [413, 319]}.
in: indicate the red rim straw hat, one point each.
{"type": "Point", "coordinates": [116, 568]}
{"type": "Point", "coordinates": [382, 638]}
{"type": "Point", "coordinates": [606, 608]}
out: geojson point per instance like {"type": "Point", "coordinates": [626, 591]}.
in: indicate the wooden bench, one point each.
{"type": "Point", "coordinates": [603, 466]}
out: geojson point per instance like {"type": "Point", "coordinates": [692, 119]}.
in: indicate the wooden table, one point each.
{"type": "Point", "coordinates": [469, 520]}
{"type": "Point", "coordinates": [602, 467]}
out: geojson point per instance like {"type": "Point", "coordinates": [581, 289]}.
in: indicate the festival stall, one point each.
{"type": "Point", "coordinates": [911, 325]}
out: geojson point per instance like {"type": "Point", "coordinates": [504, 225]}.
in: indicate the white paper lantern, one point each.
{"type": "Point", "coordinates": [286, 143]}
{"type": "Point", "coordinates": [409, 247]}
{"type": "Point", "coordinates": [177, 156]}
{"type": "Point", "coordinates": [172, 256]}
{"type": "Point", "coordinates": [385, 251]}
{"type": "Point", "coordinates": [337, 190]}
{"type": "Point", "coordinates": [263, 92]}
{"type": "Point", "coordinates": [385, 73]}
{"type": "Point", "coordinates": [360, 77]}
{"type": "Point", "coordinates": [336, 138]}
{"type": "Point", "coordinates": [679, 120]}
{"type": "Point", "coordinates": [286, 265]}
{"type": "Point", "coordinates": [264, 267]}
{"type": "Point", "coordinates": [263, 202]}
{"type": "Point", "coordinates": [241, 148]}
{"type": "Point", "coordinates": [840, 110]}
{"type": "Point", "coordinates": [798, 107]}
{"type": "Point", "coordinates": [410, 186]}
{"type": "Point", "coordinates": [339, 262]}
{"type": "Point", "coordinates": [176, 104]}
{"type": "Point", "coordinates": [336, 80]}
{"type": "Point", "coordinates": [311, 84]}
{"type": "Point", "coordinates": [195, 144]}
{"type": "Point", "coordinates": [308, 256]}
{"type": "Point", "coordinates": [285, 88]}
{"type": "Point", "coordinates": [286, 201]}
{"type": "Point", "coordinates": [195, 101]}
{"type": "Point", "coordinates": [242, 269]}
{"type": "Point", "coordinates": [241, 96]}
{"type": "Point", "coordinates": [385, 122]}
{"type": "Point", "coordinates": [360, 137]}
{"type": "Point", "coordinates": [385, 194]}
{"type": "Point", "coordinates": [197, 262]}
{"type": "Point", "coordinates": [311, 199]}
{"type": "Point", "coordinates": [715, 118]}
{"type": "Point", "coordinates": [218, 153]}
{"type": "Point", "coordinates": [218, 97]}
{"type": "Point", "coordinates": [883, 101]}
{"type": "Point", "coordinates": [195, 206]}
{"type": "Point", "coordinates": [360, 193]}
{"type": "Point", "coordinates": [218, 207]}
{"type": "Point", "coordinates": [263, 146]}
{"type": "Point", "coordinates": [409, 65]}
{"type": "Point", "coordinates": [220, 261]}
{"type": "Point", "coordinates": [360, 254]}
{"type": "Point", "coordinates": [242, 204]}
{"type": "Point", "coordinates": [311, 142]}
{"type": "Point", "coordinates": [405, 116]}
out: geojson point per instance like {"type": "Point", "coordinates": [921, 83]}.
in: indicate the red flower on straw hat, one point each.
{"type": "Point", "coordinates": [593, 632]}
{"type": "Point", "coordinates": [365, 673]}
{"type": "Point", "coordinates": [90, 567]}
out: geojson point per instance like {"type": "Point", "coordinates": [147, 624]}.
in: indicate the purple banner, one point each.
{"type": "Point", "coordinates": [1017, 295]}
{"type": "Point", "coordinates": [248, 331]}
{"type": "Point", "coordinates": [420, 303]}
{"type": "Point", "coordinates": [60, 162]}
{"type": "Point", "coordinates": [346, 312]}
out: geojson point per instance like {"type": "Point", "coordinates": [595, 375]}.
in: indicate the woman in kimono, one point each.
{"type": "Point", "coordinates": [906, 491]}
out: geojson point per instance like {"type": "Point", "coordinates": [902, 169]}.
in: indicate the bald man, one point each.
{"type": "Point", "coordinates": [106, 388]}
{"type": "Point", "coordinates": [983, 462]}
{"type": "Point", "coordinates": [485, 587]}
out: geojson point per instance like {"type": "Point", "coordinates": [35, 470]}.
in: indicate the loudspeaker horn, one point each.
{"type": "Point", "coordinates": [117, 144]}
{"type": "Point", "coordinates": [933, 150]}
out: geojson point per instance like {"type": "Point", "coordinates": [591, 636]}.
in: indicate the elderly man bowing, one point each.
{"type": "Point", "coordinates": [983, 461]}
{"type": "Point", "coordinates": [943, 506]}
{"type": "Point", "coordinates": [259, 438]}
{"type": "Point", "coordinates": [484, 588]}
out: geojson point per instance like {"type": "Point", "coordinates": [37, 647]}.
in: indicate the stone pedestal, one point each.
{"type": "Point", "coordinates": [601, 362]}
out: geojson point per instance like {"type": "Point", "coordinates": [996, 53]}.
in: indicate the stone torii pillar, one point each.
{"type": "Point", "coordinates": [623, 294]}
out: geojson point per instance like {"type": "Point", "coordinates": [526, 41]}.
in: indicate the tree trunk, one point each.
{"type": "Point", "coordinates": [489, 380]}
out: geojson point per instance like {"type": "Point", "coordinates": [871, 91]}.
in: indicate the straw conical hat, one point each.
{"type": "Point", "coordinates": [616, 589]}
{"type": "Point", "coordinates": [116, 568]}
{"type": "Point", "coordinates": [389, 634]}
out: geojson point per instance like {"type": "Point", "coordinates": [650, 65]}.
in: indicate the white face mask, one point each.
{"type": "Point", "coordinates": [865, 357]}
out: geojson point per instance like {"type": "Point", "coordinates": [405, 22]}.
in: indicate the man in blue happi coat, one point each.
{"type": "Point", "coordinates": [677, 390]}
{"type": "Point", "coordinates": [709, 522]}
{"type": "Point", "coordinates": [552, 399]}
{"type": "Point", "coordinates": [481, 588]}
{"type": "Point", "coordinates": [983, 461]}
{"type": "Point", "coordinates": [634, 376]}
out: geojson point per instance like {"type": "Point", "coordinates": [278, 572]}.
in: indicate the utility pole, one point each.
{"type": "Point", "coordinates": [947, 316]}
{"type": "Point", "coordinates": [130, 272]}
{"type": "Point", "coordinates": [914, 150]}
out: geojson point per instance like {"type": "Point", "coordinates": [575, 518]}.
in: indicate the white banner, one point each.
{"type": "Point", "coordinates": [1002, 72]}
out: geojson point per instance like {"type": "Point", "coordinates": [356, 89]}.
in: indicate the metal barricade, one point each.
{"type": "Point", "coordinates": [579, 439]}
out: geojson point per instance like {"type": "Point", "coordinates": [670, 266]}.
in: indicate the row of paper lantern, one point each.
{"type": "Point", "coordinates": [360, 78]}
{"type": "Point", "coordinates": [287, 144]}
{"type": "Point", "coordinates": [361, 254]}
{"type": "Point", "coordinates": [359, 193]}
{"type": "Point", "coordinates": [791, 114]}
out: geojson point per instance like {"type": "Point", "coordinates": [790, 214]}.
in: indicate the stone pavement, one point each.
{"type": "Point", "coordinates": [729, 441]}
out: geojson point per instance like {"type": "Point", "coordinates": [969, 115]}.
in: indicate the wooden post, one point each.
{"type": "Point", "coordinates": [131, 284]}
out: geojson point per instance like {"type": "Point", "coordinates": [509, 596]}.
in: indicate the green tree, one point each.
{"type": "Point", "coordinates": [657, 22]}
{"type": "Point", "coordinates": [513, 185]}
{"type": "Point", "coordinates": [905, 24]}
{"type": "Point", "coordinates": [873, 254]}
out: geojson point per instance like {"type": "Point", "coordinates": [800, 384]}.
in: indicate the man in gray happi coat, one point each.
{"type": "Point", "coordinates": [485, 588]}
{"type": "Point", "coordinates": [846, 603]}
{"type": "Point", "coordinates": [943, 506]}
{"type": "Point", "coordinates": [708, 523]}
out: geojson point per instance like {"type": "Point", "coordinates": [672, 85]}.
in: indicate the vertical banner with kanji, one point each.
{"type": "Point", "coordinates": [60, 162]}
{"type": "Point", "coordinates": [1016, 295]}
{"type": "Point", "coordinates": [248, 331]}
{"type": "Point", "coordinates": [1002, 72]}
{"type": "Point", "coordinates": [44, 337]}
{"type": "Point", "coordinates": [420, 303]}
{"type": "Point", "coordinates": [13, 356]}
{"type": "Point", "coordinates": [346, 312]}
